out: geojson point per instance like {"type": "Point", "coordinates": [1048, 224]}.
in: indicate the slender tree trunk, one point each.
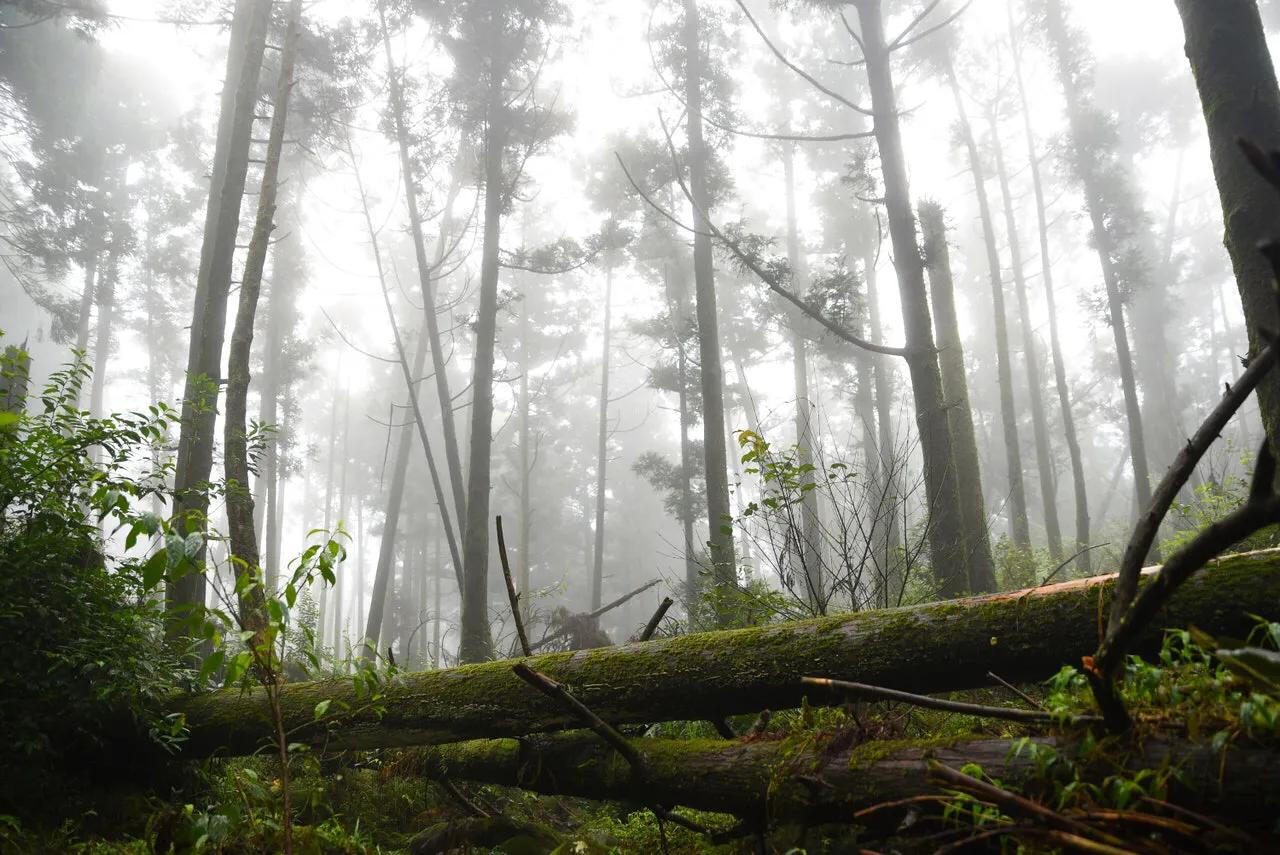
{"type": "Point", "coordinates": [1079, 485]}
{"type": "Point", "coordinates": [1234, 74]}
{"type": "Point", "coordinates": [239, 498]}
{"type": "Point", "coordinates": [1091, 180]}
{"type": "Point", "coordinates": [526, 466]}
{"type": "Point", "coordinates": [946, 523]}
{"type": "Point", "coordinates": [719, 520]}
{"type": "Point", "coordinates": [426, 274]}
{"type": "Point", "coordinates": [1039, 422]}
{"type": "Point", "coordinates": [85, 315]}
{"type": "Point", "coordinates": [475, 644]}
{"type": "Point", "coordinates": [106, 300]}
{"type": "Point", "coordinates": [213, 284]}
{"type": "Point", "coordinates": [883, 469]}
{"type": "Point", "coordinates": [382, 578]}
{"type": "Point", "coordinates": [677, 302]}
{"type": "Point", "coordinates": [810, 533]}
{"type": "Point", "coordinates": [602, 445]}
{"type": "Point", "coordinates": [1018, 526]}
{"type": "Point", "coordinates": [956, 388]}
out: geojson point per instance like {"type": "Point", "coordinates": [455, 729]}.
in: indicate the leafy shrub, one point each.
{"type": "Point", "coordinates": [81, 641]}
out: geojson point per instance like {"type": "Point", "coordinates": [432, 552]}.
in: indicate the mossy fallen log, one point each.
{"type": "Point", "coordinates": [1020, 636]}
{"type": "Point", "coordinates": [803, 779]}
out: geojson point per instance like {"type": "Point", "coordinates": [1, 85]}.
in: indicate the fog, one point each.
{"type": "Point", "coordinates": [597, 324]}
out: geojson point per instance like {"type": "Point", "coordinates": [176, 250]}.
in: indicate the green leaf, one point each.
{"type": "Point", "coordinates": [212, 664]}
{"type": "Point", "coordinates": [1259, 665]}
{"type": "Point", "coordinates": [322, 708]}
{"type": "Point", "coordinates": [193, 544]}
{"type": "Point", "coordinates": [153, 569]}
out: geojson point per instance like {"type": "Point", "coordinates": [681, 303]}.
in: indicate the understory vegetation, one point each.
{"type": "Point", "coordinates": [89, 656]}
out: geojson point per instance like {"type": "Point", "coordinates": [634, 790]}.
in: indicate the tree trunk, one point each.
{"type": "Point", "coordinates": [1023, 636]}
{"type": "Point", "coordinates": [715, 455]}
{"type": "Point", "coordinates": [1079, 485]}
{"type": "Point", "coordinates": [602, 445]}
{"type": "Point", "coordinates": [955, 386]}
{"type": "Point", "coordinates": [677, 310]}
{"type": "Point", "coordinates": [426, 274]}
{"type": "Point", "coordinates": [527, 462]}
{"type": "Point", "coordinates": [239, 499]}
{"type": "Point", "coordinates": [1234, 74]}
{"type": "Point", "coordinates": [382, 577]}
{"type": "Point", "coordinates": [106, 300]}
{"type": "Point", "coordinates": [1018, 526]}
{"type": "Point", "coordinates": [213, 284]}
{"type": "Point", "coordinates": [1039, 423]}
{"type": "Point", "coordinates": [884, 469]}
{"type": "Point", "coordinates": [946, 523]}
{"type": "Point", "coordinates": [475, 644]}
{"type": "Point", "coordinates": [777, 778]}
{"type": "Point", "coordinates": [810, 532]}
{"type": "Point", "coordinates": [1091, 179]}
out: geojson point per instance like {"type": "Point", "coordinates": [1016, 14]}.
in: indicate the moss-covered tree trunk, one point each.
{"type": "Point", "coordinates": [1021, 636]}
{"type": "Point", "coordinates": [1236, 79]}
{"type": "Point", "coordinates": [956, 387]}
{"type": "Point", "coordinates": [777, 777]}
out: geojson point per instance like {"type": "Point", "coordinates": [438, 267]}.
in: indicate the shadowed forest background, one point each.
{"type": "Point", "coordinates": [350, 343]}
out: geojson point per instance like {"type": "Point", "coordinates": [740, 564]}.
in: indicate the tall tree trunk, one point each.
{"type": "Point", "coordinates": [1234, 74]}
{"type": "Point", "coordinates": [946, 523]}
{"type": "Point", "coordinates": [106, 300]}
{"type": "Point", "coordinates": [475, 644]}
{"type": "Point", "coordinates": [1079, 486]}
{"type": "Point", "coordinates": [719, 520]}
{"type": "Point", "coordinates": [527, 462]}
{"type": "Point", "coordinates": [85, 315]}
{"type": "Point", "coordinates": [956, 388]}
{"type": "Point", "coordinates": [1039, 422]}
{"type": "Point", "coordinates": [602, 444]}
{"type": "Point", "coordinates": [382, 577]}
{"type": "Point", "coordinates": [884, 468]}
{"type": "Point", "coordinates": [1091, 179]}
{"type": "Point", "coordinates": [239, 498]}
{"type": "Point", "coordinates": [426, 273]}
{"type": "Point", "coordinates": [213, 283]}
{"type": "Point", "coordinates": [677, 311]}
{"type": "Point", "coordinates": [810, 531]}
{"type": "Point", "coordinates": [1018, 525]}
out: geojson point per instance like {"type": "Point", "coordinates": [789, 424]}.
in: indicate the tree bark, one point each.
{"type": "Point", "coordinates": [1019, 528]}
{"type": "Point", "coordinates": [1039, 423]}
{"type": "Point", "coordinates": [1079, 485]}
{"type": "Point", "coordinates": [715, 454]}
{"type": "Point", "coordinates": [946, 523]}
{"type": "Point", "coordinates": [239, 498]}
{"type": "Point", "coordinates": [602, 445]}
{"type": "Point", "coordinates": [213, 285]}
{"type": "Point", "coordinates": [1022, 636]}
{"type": "Point", "coordinates": [1227, 48]}
{"type": "Point", "coordinates": [1087, 173]}
{"type": "Point", "coordinates": [982, 572]}
{"type": "Point", "coordinates": [775, 778]}
{"type": "Point", "coordinates": [810, 547]}
{"type": "Point", "coordinates": [475, 644]}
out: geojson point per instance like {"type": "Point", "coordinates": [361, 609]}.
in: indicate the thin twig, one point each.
{"type": "Point", "coordinates": [604, 730]}
{"type": "Point", "coordinates": [652, 626]}
{"type": "Point", "coordinates": [1004, 713]}
{"type": "Point", "coordinates": [452, 789]}
{"type": "Point", "coordinates": [511, 590]}
{"type": "Point", "coordinates": [1002, 681]}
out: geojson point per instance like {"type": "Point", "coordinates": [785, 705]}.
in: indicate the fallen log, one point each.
{"type": "Point", "coordinates": [810, 782]}
{"type": "Point", "coordinates": [1020, 636]}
